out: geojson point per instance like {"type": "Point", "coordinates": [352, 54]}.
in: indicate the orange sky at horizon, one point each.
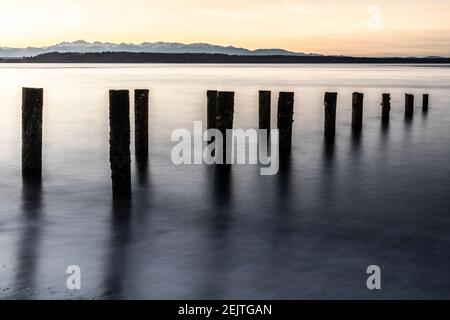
{"type": "Point", "coordinates": [351, 27]}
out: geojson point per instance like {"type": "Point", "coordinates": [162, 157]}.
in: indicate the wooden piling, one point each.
{"type": "Point", "coordinates": [32, 105]}
{"type": "Point", "coordinates": [285, 120]}
{"type": "Point", "coordinates": [386, 108]}
{"type": "Point", "coordinates": [141, 123]}
{"type": "Point", "coordinates": [425, 101]}
{"type": "Point", "coordinates": [264, 110]}
{"type": "Point", "coordinates": [330, 115]}
{"type": "Point", "coordinates": [224, 121]}
{"type": "Point", "coordinates": [357, 111]}
{"type": "Point", "coordinates": [119, 121]}
{"type": "Point", "coordinates": [409, 105]}
{"type": "Point", "coordinates": [212, 101]}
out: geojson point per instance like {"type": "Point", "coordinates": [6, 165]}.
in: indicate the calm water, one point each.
{"type": "Point", "coordinates": [309, 232]}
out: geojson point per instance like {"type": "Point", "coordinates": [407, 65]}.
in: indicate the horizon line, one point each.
{"type": "Point", "coordinates": [211, 44]}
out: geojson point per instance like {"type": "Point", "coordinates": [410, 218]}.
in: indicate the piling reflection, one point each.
{"type": "Point", "coordinates": [356, 142]}
{"type": "Point", "coordinates": [283, 221]}
{"type": "Point", "coordinates": [329, 149]}
{"type": "Point", "coordinates": [142, 170]}
{"type": "Point", "coordinates": [142, 202]}
{"type": "Point", "coordinates": [222, 185]}
{"type": "Point", "coordinates": [326, 194]}
{"type": "Point", "coordinates": [117, 254]}
{"type": "Point", "coordinates": [29, 242]}
{"type": "Point", "coordinates": [218, 247]}
{"type": "Point", "coordinates": [385, 127]}
{"type": "Point", "coordinates": [409, 110]}
{"type": "Point", "coordinates": [408, 121]}
{"type": "Point", "coordinates": [282, 213]}
{"type": "Point", "coordinates": [384, 134]}
{"type": "Point", "coordinates": [424, 113]}
{"type": "Point", "coordinates": [284, 177]}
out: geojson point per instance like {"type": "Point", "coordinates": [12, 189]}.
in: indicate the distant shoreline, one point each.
{"type": "Point", "coordinates": [180, 58]}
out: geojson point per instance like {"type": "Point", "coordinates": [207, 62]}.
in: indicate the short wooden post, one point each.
{"type": "Point", "coordinates": [119, 121]}
{"type": "Point", "coordinates": [425, 101]}
{"type": "Point", "coordinates": [32, 105]}
{"type": "Point", "coordinates": [330, 115]}
{"type": "Point", "coordinates": [212, 102]}
{"type": "Point", "coordinates": [225, 115]}
{"type": "Point", "coordinates": [285, 120]}
{"type": "Point", "coordinates": [264, 110]}
{"type": "Point", "coordinates": [409, 105]}
{"type": "Point", "coordinates": [141, 123]}
{"type": "Point", "coordinates": [386, 108]}
{"type": "Point", "coordinates": [357, 111]}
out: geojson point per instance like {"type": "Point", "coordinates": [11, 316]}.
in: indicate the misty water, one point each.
{"type": "Point", "coordinates": [309, 232]}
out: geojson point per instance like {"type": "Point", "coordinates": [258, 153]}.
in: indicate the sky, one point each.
{"type": "Point", "coordinates": [350, 27]}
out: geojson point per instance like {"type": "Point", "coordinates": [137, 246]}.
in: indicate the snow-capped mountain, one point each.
{"type": "Point", "coordinates": [82, 46]}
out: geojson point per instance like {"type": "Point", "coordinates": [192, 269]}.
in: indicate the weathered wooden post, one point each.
{"type": "Point", "coordinates": [425, 100]}
{"type": "Point", "coordinates": [385, 108]}
{"type": "Point", "coordinates": [409, 105]}
{"type": "Point", "coordinates": [285, 120]}
{"type": "Point", "coordinates": [330, 115]}
{"type": "Point", "coordinates": [224, 122]}
{"type": "Point", "coordinates": [264, 110]}
{"type": "Point", "coordinates": [141, 123]}
{"type": "Point", "coordinates": [32, 105]}
{"type": "Point", "coordinates": [119, 121]}
{"type": "Point", "coordinates": [212, 102]}
{"type": "Point", "coordinates": [357, 111]}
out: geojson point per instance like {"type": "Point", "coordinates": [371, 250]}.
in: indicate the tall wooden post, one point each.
{"type": "Point", "coordinates": [285, 120]}
{"type": "Point", "coordinates": [141, 123]}
{"type": "Point", "coordinates": [212, 102]}
{"type": "Point", "coordinates": [425, 101]}
{"type": "Point", "coordinates": [330, 115]}
{"type": "Point", "coordinates": [119, 121]}
{"type": "Point", "coordinates": [225, 115]}
{"type": "Point", "coordinates": [409, 105]}
{"type": "Point", "coordinates": [386, 108]}
{"type": "Point", "coordinates": [264, 110]}
{"type": "Point", "coordinates": [32, 105]}
{"type": "Point", "coordinates": [357, 111]}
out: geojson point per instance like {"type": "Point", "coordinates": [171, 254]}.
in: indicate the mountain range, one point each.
{"type": "Point", "coordinates": [82, 46]}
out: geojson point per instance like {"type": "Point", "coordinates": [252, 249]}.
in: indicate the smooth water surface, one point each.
{"type": "Point", "coordinates": [309, 232]}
